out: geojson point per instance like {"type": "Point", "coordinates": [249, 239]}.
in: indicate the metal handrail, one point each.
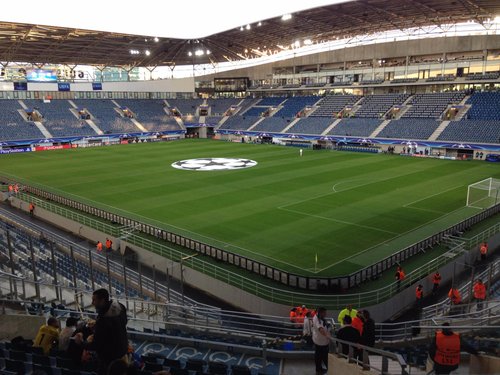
{"type": "Point", "coordinates": [279, 295]}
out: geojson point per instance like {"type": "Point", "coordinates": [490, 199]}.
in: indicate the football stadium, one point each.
{"type": "Point", "coordinates": [291, 189]}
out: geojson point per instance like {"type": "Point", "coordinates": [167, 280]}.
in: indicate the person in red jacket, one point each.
{"type": "Point", "coordinates": [479, 293]}
{"type": "Point", "coordinates": [358, 322]}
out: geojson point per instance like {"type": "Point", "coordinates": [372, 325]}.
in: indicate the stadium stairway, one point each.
{"type": "Point", "coordinates": [38, 124]}
{"type": "Point", "coordinates": [379, 128]}
{"type": "Point", "coordinates": [439, 130]}
{"type": "Point", "coordinates": [292, 123]}
{"type": "Point", "coordinates": [256, 123]}
{"type": "Point", "coordinates": [89, 121]}
{"type": "Point", "coordinates": [43, 129]}
{"type": "Point", "coordinates": [331, 127]}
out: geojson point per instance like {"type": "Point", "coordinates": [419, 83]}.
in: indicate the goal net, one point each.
{"type": "Point", "coordinates": [484, 194]}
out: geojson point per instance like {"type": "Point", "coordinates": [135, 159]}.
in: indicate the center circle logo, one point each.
{"type": "Point", "coordinates": [214, 164]}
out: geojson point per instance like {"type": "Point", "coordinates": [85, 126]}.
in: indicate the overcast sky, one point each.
{"type": "Point", "coordinates": [186, 19]}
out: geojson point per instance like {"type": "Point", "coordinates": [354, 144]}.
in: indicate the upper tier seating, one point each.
{"type": "Point", "coordinates": [311, 125]}
{"type": "Point", "coordinates": [256, 111]}
{"type": "Point", "coordinates": [374, 106]}
{"type": "Point", "coordinates": [272, 124]}
{"type": "Point", "coordinates": [484, 131]}
{"type": "Point", "coordinates": [485, 106]}
{"type": "Point", "coordinates": [271, 101]}
{"type": "Point", "coordinates": [239, 122]}
{"type": "Point", "coordinates": [485, 76]}
{"type": "Point", "coordinates": [150, 114]}
{"type": "Point", "coordinates": [296, 104]}
{"type": "Point", "coordinates": [411, 128]}
{"type": "Point", "coordinates": [432, 105]}
{"type": "Point", "coordinates": [13, 126]}
{"type": "Point", "coordinates": [220, 106]}
{"type": "Point", "coordinates": [185, 106]}
{"type": "Point", "coordinates": [58, 119]}
{"type": "Point", "coordinates": [333, 104]}
{"type": "Point", "coordinates": [105, 117]}
{"type": "Point", "coordinates": [355, 127]}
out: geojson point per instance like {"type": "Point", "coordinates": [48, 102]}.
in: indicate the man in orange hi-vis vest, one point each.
{"type": "Point", "coordinates": [99, 246]}
{"type": "Point", "coordinates": [483, 250]}
{"type": "Point", "coordinates": [479, 290]}
{"type": "Point", "coordinates": [445, 350]}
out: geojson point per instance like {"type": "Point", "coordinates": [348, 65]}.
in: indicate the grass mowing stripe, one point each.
{"type": "Point", "coordinates": [237, 210]}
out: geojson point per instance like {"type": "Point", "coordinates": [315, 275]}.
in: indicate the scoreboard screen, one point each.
{"type": "Point", "coordinates": [230, 84]}
{"type": "Point", "coordinates": [41, 75]}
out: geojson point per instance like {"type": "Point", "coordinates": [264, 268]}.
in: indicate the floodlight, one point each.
{"type": "Point", "coordinates": [286, 17]}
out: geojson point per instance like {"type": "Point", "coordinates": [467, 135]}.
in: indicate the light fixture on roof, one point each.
{"type": "Point", "coordinates": [248, 27]}
{"type": "Point", "coordinates": [147, 52]}
{"type": "Point", "coordinates": [134, 52]}
{"type": "Point", "coordinates": [296, 44]}
{"type": "Point", "coordinates": [308, 42]}
{"type": "Point", "coordinates": [190, 53]}
{"type": "Point", "coordinates": [156, 39]}
{"type": "Point", "coordinates": [199, 52]}
{"type": "Point", "coordinates": [286, 17]}
{"type": "Point", "coordinates": [241, 28]}
{"type": "Point", "coordinates": [259, 24]}
{"type": "Point", "coordinates": [208, 52]}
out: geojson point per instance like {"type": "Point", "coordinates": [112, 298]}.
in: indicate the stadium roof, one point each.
{"type": "Point", "coordinates": [33, 43]}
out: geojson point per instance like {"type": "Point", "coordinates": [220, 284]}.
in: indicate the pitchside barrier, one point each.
{"type": "Point", "coordinates": [311, 283]}
{"type": "Point", "coordinates": [273, 293]}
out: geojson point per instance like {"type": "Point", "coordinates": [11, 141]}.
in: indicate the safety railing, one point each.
{"type": "Point", "coordinates": [284, 296]}
{"type": "Point", "coordinates": [222, 251]}
{"type": "Point", "coordinates": [444, 307]}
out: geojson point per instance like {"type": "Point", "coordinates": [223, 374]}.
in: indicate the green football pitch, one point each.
{"type": "Point", "coordinates": [347, 209]}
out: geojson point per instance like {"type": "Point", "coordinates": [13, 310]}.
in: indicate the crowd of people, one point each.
{"type": "Point", "coordinates": [102, 342]}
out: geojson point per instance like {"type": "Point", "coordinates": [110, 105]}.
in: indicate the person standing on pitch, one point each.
{"type": "Point", "coordinates": [321, 339]}
{"type": "Point", "coordinates": [301, 152]}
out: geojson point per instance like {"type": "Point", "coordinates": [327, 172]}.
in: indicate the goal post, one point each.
{"type": "Point", "coordinates": [484, 194]}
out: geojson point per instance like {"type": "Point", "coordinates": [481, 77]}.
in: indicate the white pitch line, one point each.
{"type": "Point", "coordinates": [430, 196]}
{"type": "Point", "coordinates": [339, 221]}
{"type": "Point", "coordinates": [160, 224]}
{"type": "Point", "coordinates": [391, 239]}
{"type": "Point", "coordinates": [372, 181]}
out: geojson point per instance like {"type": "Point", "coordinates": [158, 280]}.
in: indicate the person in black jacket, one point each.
{"type": "Point", "coordinates": [110, 340]}
{"type": "Point", "coordinates": [350, 334]}
{"type": "Point", "coordinates": [368, 336]}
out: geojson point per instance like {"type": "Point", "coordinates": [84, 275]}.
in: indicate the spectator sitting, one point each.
{"type": "Point", "coordinates": [47, 335]}
{"type": "Point", "coordinates": [67, 333]}
{"type": "Point", "coordinates": [348, 333]}
{"type": "Point", "coordinates": [81, 337]}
